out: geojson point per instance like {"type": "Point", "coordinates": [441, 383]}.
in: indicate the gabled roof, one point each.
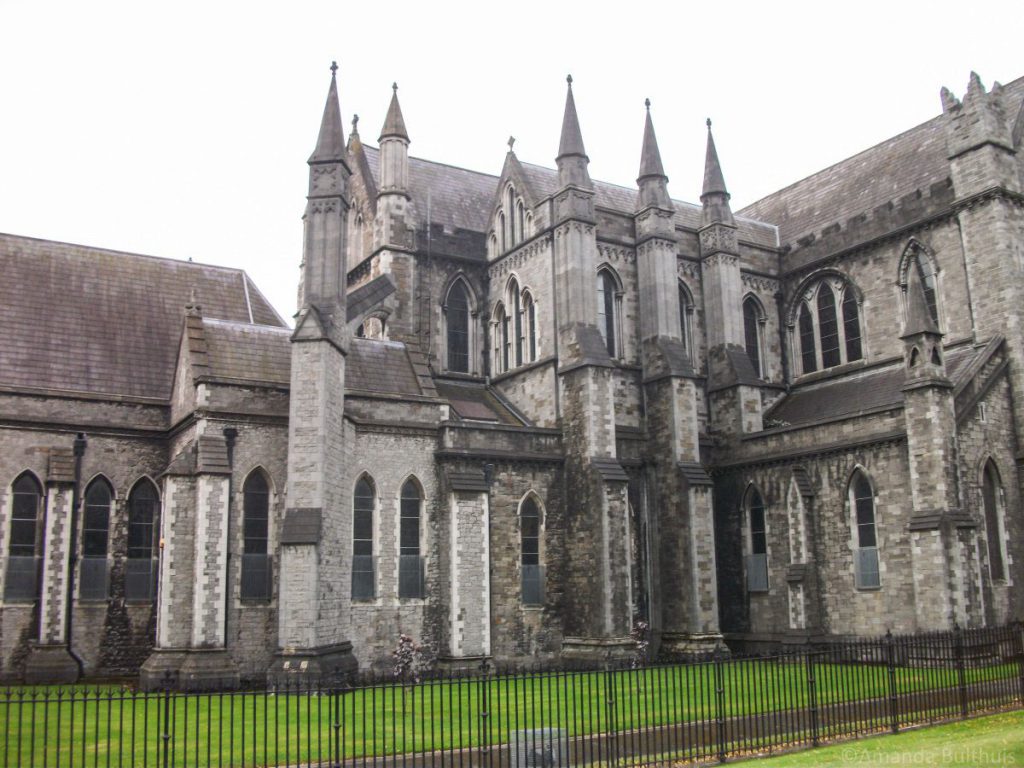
{"type": "Point", "coordinates": [243, 352]}
{"type": "Point", "coordinates": [90, 320]}
{"type": "Point", "coordinates": [913, 160]}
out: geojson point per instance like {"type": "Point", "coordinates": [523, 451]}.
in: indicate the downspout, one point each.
{"type": "Point", "coordinates": [79, 451]}
{"type": "Point", "coordinates": [230, 434]}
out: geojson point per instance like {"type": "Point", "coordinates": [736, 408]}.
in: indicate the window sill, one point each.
{"type": "Point", "coordinates": [255, 601]}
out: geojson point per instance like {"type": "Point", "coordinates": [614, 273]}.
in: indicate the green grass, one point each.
{"type": "Point", "coordinates": [267, 730]}
{"type": "Point", "coordinates": [996, 740]}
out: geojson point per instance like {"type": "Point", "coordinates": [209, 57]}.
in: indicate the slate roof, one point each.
{"type": "Point", "coordinates": [856, 394]}
{"type": "Point", "coordinates": [91, 320]}
{"type": "Point", "coordinates": [462, 199]}
{"type": "Point", "coordinates": [248, 353]}
{"type": "Point", "coordinates": [380, 367]}
{"type": "Point", "coordinates": [475, 402]}
{"type": "Point", "coordinates": [913, 160]}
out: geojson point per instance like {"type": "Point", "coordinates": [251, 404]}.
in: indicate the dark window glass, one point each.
{"type": "Point", "coordinates": [752, 333]}
{"type": "Point", "coordinates": [531, 323]}
{"type": "Point", "coordinates": [511, 217]}
{"type": "Point", "coordinates": [362, 518]}
{"type": "Point", "coordinates": [522, 222]}
{"type": "Point", "coordinates": [606, 310]}
{"type": "Point", "coordinates": [142, 511]}
{"type": "Point", "coordinates": [991, 491]}
{"type": "Point", "coordinates": [758, 540]}
{"type": "Point", "coordinates": [256, 514]}
{"type": "Point", "coordinates": [684, 317]}
{"type": "Point", "coordinates": [25, 517]}
{"type": "Point", "coordinates": [409, 535]}
{"type": "Point", "coordinates": [530, 565]}
{"type": "Point", "coordinates": [808, 360]}
{"type": "Point", "coordinates": [517, 318]}
{"type": "Point", "coordinates": [96, 523]}
{"type": "Point", "coordinates": [458, 329]}
{"type": "Point", "coordinates": [927, 275]}
{"type": "Point", "coordinates": [864, 503]}
{"type": "Point", "coordinates": [828, 328]}
{"type": "Point", "coordinates": [851, 326]}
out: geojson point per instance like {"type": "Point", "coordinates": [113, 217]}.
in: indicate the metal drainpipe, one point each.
{"type": "Point", "coordinates": [230, 435]}
{"type": "Point", "coordinates": [78, 449]}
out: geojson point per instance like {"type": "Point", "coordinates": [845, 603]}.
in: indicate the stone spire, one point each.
{"type": "Point", "coordinates": [652, 180]}
{"type": "Point", "coordinates": [394, 123]}
{"type": "Point", "coordinates": [714, 195]}
{"type": "Point", "coordinates": [572, 158]}
{"type": "Point", "coordinates": [394, 150]}
{"type": "Point", "coordinates": [330, 144]}
{"type": "Point", "coordinates": [919, 317]}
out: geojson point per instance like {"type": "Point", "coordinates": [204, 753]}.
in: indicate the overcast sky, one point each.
{"type": "Point", "coordinates": [182, 129]}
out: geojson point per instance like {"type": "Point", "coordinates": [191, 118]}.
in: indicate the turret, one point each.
{"type": "Point", "coordinates": [394, 150]}
{"type": "Point", "coordinates": [572, 158]}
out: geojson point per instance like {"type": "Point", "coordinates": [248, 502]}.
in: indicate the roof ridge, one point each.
{"type": "Point", "coordinates": [242, 324]}
{"type": "Point", "coordinates": [437, 162]}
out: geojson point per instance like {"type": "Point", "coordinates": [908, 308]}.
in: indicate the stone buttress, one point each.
{"type": "Point", "coordinates": [684, 596]}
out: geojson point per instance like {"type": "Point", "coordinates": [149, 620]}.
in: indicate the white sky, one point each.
{"type": "Point", "coordinates": [182, 129]}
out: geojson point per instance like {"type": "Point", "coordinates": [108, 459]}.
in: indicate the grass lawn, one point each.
{"type": "Point", "coordinates": [997, 740]}
{"type": "Point", "coordinates": [87, 725]}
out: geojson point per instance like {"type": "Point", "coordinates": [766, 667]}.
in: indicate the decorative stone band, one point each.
{"type": "Point", "coordinates": [302, 525]}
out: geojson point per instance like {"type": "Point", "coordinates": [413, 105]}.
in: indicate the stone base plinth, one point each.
{"type": "Point", "coordinates": [192, 669]}
{"type": "Point", "coordinates": [312, 666]}
{"type": "Point", "coordinates": [598, 649]}
{"type": "Point", "coordinates": [51, 664]}
{"type": "Point", "coordinates": [688, 645]}
{"type": "Point", "coordinates": [463, 664]}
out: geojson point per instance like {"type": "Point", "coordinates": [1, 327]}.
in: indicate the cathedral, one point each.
{"type": "Point", "coordinates": [518, 415]}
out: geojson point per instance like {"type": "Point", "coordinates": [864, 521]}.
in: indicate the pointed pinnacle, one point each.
{"type": "Point", "coordinates": [714, 181]}
{"type": "Point", "coordinates": [330, 143]}
{"type": "Point", "coordinates": [394, 123]}
{"type": "Point", "coordinates": [650, 156]}
{"type": "Point", "coordinates": [334, 68]}
{"type": "Point", "coordinates": [571, 141]}
{"type": "Point", "coordinates": [919, 316]}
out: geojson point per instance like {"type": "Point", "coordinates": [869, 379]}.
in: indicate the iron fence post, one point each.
{"type": "Point", "coordinates": [719, 702]}
{"type": "Point", "coordinates": [611, 722]}
{"type": "Point", "coordinates": [958, 652]}
{"type": "Point", "coordinates": [484, 697]}
{"type": "Point", "coordinates": [165, 736]}
{"type": "Point", "coordinates": [336, 722]}
{"type": "Point", "coordinates": [812, 696]}
{"type": "Point", "coordinates": [1018, 630]}
{"type": "Point", "coordinates": [890, 662]}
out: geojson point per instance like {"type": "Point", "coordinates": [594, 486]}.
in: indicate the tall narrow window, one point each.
{"type": "Point", "coordinates": [501, 228]}
{"type": "Point", "coordinates": [23, 547]}
{"type": "Point", "coordinates": [992, 498]}
{"type": "Point", "coordinates": [517, 319]}
{"type": "Point", "coordinates": [410, 562]}
{"type": "Point", "coordinates": [685, 311]}
{"type": "Point", "coordinates": [457, 317]}
{"type": "Point", "coordinates": [529, 542]}
{"type": "Point", "coordinates": [757, 560]}
{"type": "Point", "coordinates": [851, 326]}
{"type": "Point", "coordinates": [530, 311]}
{"type": "Point", "coordinates": [606, 310]}
{"type": "Point", "coordinates": [95, 535]}
{"type": "Point", "coordinates": [256, 571]}
{"type": "Point", "coordinates": [140, 567]}
{"type": "Point", "coordinates": [363, 571]}
{"type": "Point", "coordinates": [828, 327]}
{"type": "Point", "coordinates": [752, 333]}
{"type": "Point", "coordinates": [511, 217]}
{"type": "Point", "coordinates": [808, 356]}
{"type": "Point", "coordinates": [522, 221]}
{"type": "Point", "coordinates": [862, 502]}
{"type": "Point", "coordinates": [500, 339]}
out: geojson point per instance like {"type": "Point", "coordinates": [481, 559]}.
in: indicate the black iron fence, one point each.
{"type": "Point", "coordinates": [699, 711]}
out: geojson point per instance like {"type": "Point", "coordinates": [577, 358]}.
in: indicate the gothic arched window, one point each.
{"type": "Point", "coordinates": [606, 290]}
{"type": "Point", "coordinates": [457, 319]}
{"type": "Point", "coordinates": [410, 561]}
{"type": "Point", "coordinates": [992, 500]}
{"type": "Point", "coordinates": [499, 339]}
{"type": "Point", "coordinates": [757, 538]}
{"type": "Point", "coordinates": [916, 257]}
{"type": "Point", "coordinates": [140, 567]}
{"type": "Point", "coordinates": [99, 497]}
{"type": "Point", "coordinates": [256, 573]}
{"type": "Point", "coordinates": [530, 325]}
{"type": "Point", "coordinates": [514, 300]}
{"type": "Point", "coordinates": [364, 502]}
{"type": "Point", "coordinates": [685, 319]}
{"type": "Point", "coordinates": [822, 340]}
{"type": "Point", "coordinates": [532, 570]}
{"type": "Point", "coordinates": [752, 320]}
{"type": "Point", "coordinates": [862, 505]}
{"type": "Point", "coordinates": [24, 543]}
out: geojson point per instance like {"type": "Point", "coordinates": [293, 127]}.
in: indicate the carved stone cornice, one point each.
{"type": "Point", "coordinates": [718, 237]}
{"type": "Point", "coordinates": [721, 258]}
{"type": "Point", "coordinates": [687, 268]}
{"type": "Point", "coordinates": [760, 283]}
{"type": "Point", "coordinates": [615, 253]}
{"type": "Point", "coordinates": [517, 258]}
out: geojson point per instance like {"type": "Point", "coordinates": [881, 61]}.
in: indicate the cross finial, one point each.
{"type": "Point", "coordinates": [334, 68]}
{"type": "Point", "coordinates": [394, 87]}
{"type": "Point", "coordinates": [708, 121]}
{"type": "Point", "coordinates": [511, 142]}
{"type": "Point", "coordinates": [355, 123]}
{"type": "Point", "coordinates": [568, 79]}
{"type": "Point", "coordinates": [647, 103]}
